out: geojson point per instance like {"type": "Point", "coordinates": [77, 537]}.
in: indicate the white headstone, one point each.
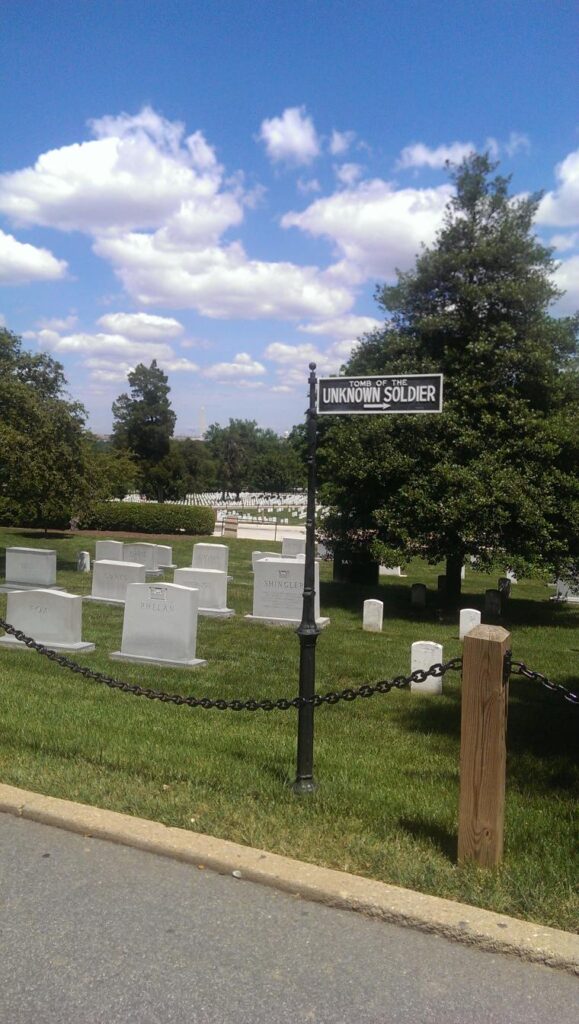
{"type": "Point", "coordinates": [468, 619]}
{"type": "Point", "coordinates": [566, 592]}
{"type": "Point", "coordinates": [212, 587]}
{"type": "Point", "coordinates": [463, 573]}
{"type": "Point", "coordinates": [373, 616]}
{"type": "Point", "coordinates": [256, 556]}
{"type": "Point", "coordinates": [511, 576]}
{"type": "Point", "coordinates": [292, 546]}
{"type": "Point", "coordinates": [160, 625]}
{"type": "Point", "coordinates": [30, 568]}
{"type": "Point", "coordinates": [210, 556]}
{"type": "Point", "coordinates": [418, 595]}
{"type": "Point", "coordinates": [390, 570]}
{"type": "Point", "coordinates": [278, 588]}
{"type": "Point", "coordinates": [165, 556]}
{"type": "Point", "coordinates": [83, 561]}
{"type": "Point", "coordinates": [111, 579]}
{"type": "Point", "coordinates": [144, 553]}
{"type": "Point", "coordinates": [423, 655]}
{"type": "Point", "coordinates": [111, 550]}
{"type": "Point", "coordinates": [50, 617]}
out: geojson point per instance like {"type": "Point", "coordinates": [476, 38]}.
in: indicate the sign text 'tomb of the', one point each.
{"type": "Point", "coordinates": [413, 393]}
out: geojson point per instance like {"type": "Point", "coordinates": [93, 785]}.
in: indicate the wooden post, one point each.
{"type": "Point", "coordinates": [485, 692]}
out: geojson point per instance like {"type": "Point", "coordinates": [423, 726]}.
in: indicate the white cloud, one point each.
{"type": "Point", "coordinates": [101, 342]}
{"type": "Point", "coordinates": [419, 155]}
{"type": "Point", "coordinates": [563, 243]}
{"type": "Point", "coordinates": [567, 278]}
{"type": "Point", "coordinates": [516, 143]}
{"type": "Point", "coordinates": [348, 174]}
{"type": "Point", "coordinates": [492, 147]}
{"type": "Point", "coordinates": [375, 227]}
{"type": "Point", "coordinates": [139, 172]}
{"type": "Point", "coordinates": [220, 282]}
{"type": "Point", "coordinates": [344, 327]}
{"type": "Point", "coordinates": [64, 323]}
{"type": "Point", "coordinates": [561, 206]}
{"type": "Point", "coordinates": [291, 138]}
{"type": "Point", "coordinates": [340, 142]}
{"type": "Point", "coordinates": [21, 263]}
{"type": "Point", "coordinates": [141, 326]}
{"type": "Point", "coordinates": [243, 366]}
{"type": "Point", "coordinates": [294, 360]}
{"type": "Point", "coordinates": [308, 185]}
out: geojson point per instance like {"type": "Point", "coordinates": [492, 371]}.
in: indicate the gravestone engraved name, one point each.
{"type": "Point", "coordinates": [278, 589]}
{"type": "Point", "coordinates": [160, 625]}
{"type": "Point", "coordinates": [110, 580]}
{"type": "Point", "coordinates": [51, 617]}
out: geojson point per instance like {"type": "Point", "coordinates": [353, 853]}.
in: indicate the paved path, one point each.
{"type": "Point", "coordinates": [95, 933]}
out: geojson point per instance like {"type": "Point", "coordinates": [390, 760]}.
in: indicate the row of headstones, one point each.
{"type": "Point", "coordinates": [373, 618]}
{"type": "Point", "coordinates": [493, 599]}
{"type": "Point", "coordinates": [160, 619]}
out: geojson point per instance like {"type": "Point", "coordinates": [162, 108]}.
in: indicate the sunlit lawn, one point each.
{"type": "Point", "coordinates": [387, 767]}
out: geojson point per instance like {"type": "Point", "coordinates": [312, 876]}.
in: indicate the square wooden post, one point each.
{"type": "Point", "coordinates": [483, 745]}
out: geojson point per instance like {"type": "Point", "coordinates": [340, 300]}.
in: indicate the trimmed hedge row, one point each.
{"type": "Point", "coordinates": [152, 517]}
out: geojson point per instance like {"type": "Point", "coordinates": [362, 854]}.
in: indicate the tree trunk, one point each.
{"type": "Point", "coordinates": [453, 579]}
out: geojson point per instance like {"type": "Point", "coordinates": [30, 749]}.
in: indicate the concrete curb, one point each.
{"type": "Point", "coordinates": [456, 921]}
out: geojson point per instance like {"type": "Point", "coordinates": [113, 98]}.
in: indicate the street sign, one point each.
{"type": "Point", "coordinates": [358, 396]}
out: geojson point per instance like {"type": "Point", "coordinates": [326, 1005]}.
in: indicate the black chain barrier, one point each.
{"type": "Point", "coordinates": [281, 704]}
{"type": "Point", "coordinates": [518, 668]}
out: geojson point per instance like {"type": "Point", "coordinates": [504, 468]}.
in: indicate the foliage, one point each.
{"type": "Point", "coordinates": [247, 457]}
{"type": "Point", "coordinates": [144, 423]}
{"type": "Point", "coordinates": [45, 462]}
{"type": "Point", "coordinates": [137, 517]}
{"type": "Point", "coordinates": [495, 475]}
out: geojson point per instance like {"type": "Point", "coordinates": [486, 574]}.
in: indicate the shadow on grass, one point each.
{"type": "Point", "coordinates": [422, 829]}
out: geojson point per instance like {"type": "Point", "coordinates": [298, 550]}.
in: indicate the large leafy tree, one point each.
{"type": "Point", "coordinates": [495, 475]}
{"type": "Point", "coordinates": [248, 457]}
{"type": "Point", "coordinates": [46, 470]}
{"type": "Point", "coordinates": [143, 423]}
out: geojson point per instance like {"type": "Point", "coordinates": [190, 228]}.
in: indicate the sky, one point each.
{"type": "Point", "coordinates": [221, 185]}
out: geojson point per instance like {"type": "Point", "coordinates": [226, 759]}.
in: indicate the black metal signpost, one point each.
{"type": "Point", "coordinates": [413, 393]}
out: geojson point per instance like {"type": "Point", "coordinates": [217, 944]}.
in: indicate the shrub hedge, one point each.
{"type": "Point", "coordinates": [152, 517]}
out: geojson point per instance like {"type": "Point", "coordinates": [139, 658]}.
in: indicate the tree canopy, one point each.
{"type": "Point", "coordinates": [143, 423]}
{"type": "Point", "coordinates": [44, 459]}
{"type": "Point", "coordinates": [495, 475]}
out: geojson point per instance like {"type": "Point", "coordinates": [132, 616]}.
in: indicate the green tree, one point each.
{"type": "Point", "coordinates": [143, 423]}
{"type": "Point", "coordinates": [248, 457]}
{"type": "Point", "coordinates": [45, 462]}
{"type": "Point", "coordinates": [495, 475]}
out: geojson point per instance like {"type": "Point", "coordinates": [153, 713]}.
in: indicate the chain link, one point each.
{"type": "Point", "coordinates": [518, 668]}
{"type": "Point", "coordinates": [281, 704]}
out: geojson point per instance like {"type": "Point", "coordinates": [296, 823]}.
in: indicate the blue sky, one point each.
{"type": "Point", "coordinates": [221, 185]}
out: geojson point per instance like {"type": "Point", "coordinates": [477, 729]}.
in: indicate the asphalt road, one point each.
{"type": "Point", "coordinates": [95, 933]}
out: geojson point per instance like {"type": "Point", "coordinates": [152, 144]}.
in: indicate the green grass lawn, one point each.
{"type": "Point", "coordinates": [387, 767]}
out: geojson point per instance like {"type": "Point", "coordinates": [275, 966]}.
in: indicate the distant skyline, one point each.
{"type": "Point", "coordinates": [221, 187]}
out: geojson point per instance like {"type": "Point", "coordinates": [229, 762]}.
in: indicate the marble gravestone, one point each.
{"type": "Point", "coordinates": [210, 556]}
{"type": "Point", "coordinates": [424, 654]}
{"type": "Point", "coordinates": [212, 587]}
{"type": "Point", "coordinates": [373, 616]}
{"type": "Point", "coordinates": [160, 625]}
{"type": "Point", "coordinates": [50, 617]}
{"type": "Point", "coordinates": [30, 569]}
{"type": "Point", "coordinates": [110, 580]}
{"type": "Point", "coordinates": [144, 553]}
{"type": "Point", "coordinates": [111, 550]}
{"type": "Point", "coordinates": [165, 556]}
{"type": "Point", "coordinates": [256, 556]}
{"type": "Point", "coordinates": [292, 546]}
{"type": "Point", "coordinates": [278, 588]}
{"type": "Point", "coordinates": [390, 570]}
{"type": "Point", "coordinates": [566, 592]}
{"type": "Point", "coordinates": [468, 619]}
